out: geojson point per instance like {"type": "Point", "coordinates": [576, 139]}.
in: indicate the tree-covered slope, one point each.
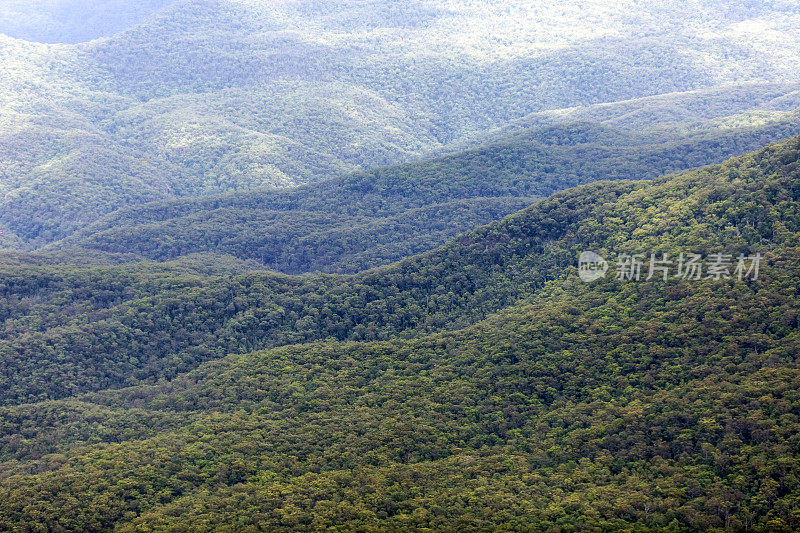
{"type": "Point", "coordinates": [221, 95]}
{"type": "Point", "coordinates": [704, 110]}
{"type": "Point", "coordinates": [614, 405]}
{"type": "Point", "coordinates": [373, 218]}
{"type": "Point", "coordinates": [68, 330]}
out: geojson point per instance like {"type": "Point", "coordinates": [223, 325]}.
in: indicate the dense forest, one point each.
{"type": "Point", "coordinates": [68, 331]}
{"type": "Point", "coordinates": [380, 216]}
{"type": "Point", "coordinates": [481, 386]}
{"type": "Point", "coordinates": [209, 96]}
{"type": "Point", "coordinates": [399, 266]}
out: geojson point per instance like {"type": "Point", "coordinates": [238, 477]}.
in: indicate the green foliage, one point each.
{"type": "Point", "coordinates": [373, 218]}
{"type": "Point", "coordinates": [479, 386]}
{"type": "Point", "coordinates": [614, 405]}
{"type": "Point", "coordinates": [145, 332]}
{"type": "Point", "coordinates": [209, 96]}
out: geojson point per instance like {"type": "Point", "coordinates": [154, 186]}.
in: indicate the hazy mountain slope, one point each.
{"type": "Point", "coordinates": [612, 405]}
{"type": "Point", "coordinates": [140, 335]}
{"type": "Point", "coordinates": [705, 109]}
{"type": "Point", "coordinates": [73, 21]}
{"type": "Point", "coordinates": [233, 94]}
{"type": "Point", "coordinates": [374, 218]}
{"type": "Point", "coordinates": [58, 196]}
{"type": "Point", "coordinates": [280, 133]}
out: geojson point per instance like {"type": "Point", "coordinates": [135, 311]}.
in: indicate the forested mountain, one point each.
{"type": "Point", "coordinates": [68, 330]}
{"type": "Point", "coordinates": [207, 96]}
{"type": "Point", "coordinates": [376, 217]}
{"type": "Point", "coordinates": [704, 110]}
{"type": "Point", "coordinates": [613, 405]}
{"type": "Point", "coordinates": [383, 265]}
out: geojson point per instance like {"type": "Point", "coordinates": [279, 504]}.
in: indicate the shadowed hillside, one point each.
{"type": "Point", "coordinates": [374, 218]}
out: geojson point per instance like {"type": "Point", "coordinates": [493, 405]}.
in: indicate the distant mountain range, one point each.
{"type": "Point", "coordinates": [376, 217]}
{"type": "Point", "coordinates": [384, 265]}
{"type": "Point", "coordinates": [73, 21]}
{"type": "Point", "coordinates": [205, 96]}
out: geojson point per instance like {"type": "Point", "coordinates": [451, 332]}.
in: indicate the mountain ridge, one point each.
{"type": "Point", "coordinates": [570, 405]}
{"type": "Point", "coordinates": [326, 226]}
{"type": "Point", "coordinates": [229, 95]}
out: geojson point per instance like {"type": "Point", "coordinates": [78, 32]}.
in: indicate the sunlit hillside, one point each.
{"type": "Point", "coordinates": [204, 96]}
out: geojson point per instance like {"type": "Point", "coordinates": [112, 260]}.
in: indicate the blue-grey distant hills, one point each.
{"type": "Point", "coordinates": [73, 21]}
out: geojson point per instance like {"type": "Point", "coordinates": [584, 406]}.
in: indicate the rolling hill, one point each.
{"type": "Point", "coordinates": [479, 386]}
{"type": "Point", "coordinates": [208, 96]}
{"type": "Point", "coordinates": [383, 265]}
{"type": "Point", "coordinates": [73, 21]}
{"type": "Point", "coordinates": [67, 330]}
{"type": "Point", "coordinates": [377, 217]}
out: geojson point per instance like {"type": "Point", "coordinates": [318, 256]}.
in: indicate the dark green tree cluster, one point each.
{"type": "Point", "coordinates": [617, 405]}
{"type": "Point", "coordinates": [63, 336]}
